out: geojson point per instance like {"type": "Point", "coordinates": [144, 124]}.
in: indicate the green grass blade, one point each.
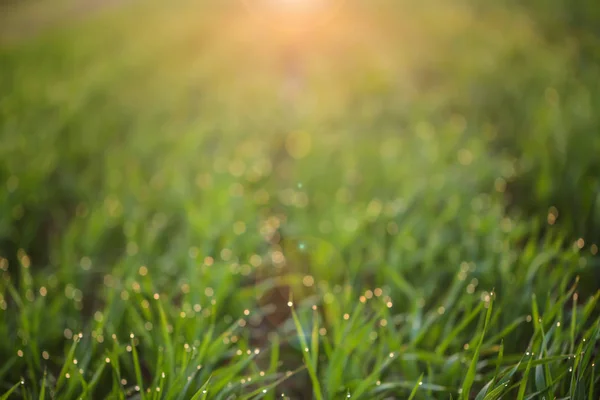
{"type": "Point", "coordinates": [592, 382]}
{"type": "Point", "coordinates": [416, 388]}
{"type": "Point", "coordinates": [470, 376]}
{"type": "Point", "coordinates": [10, 391]}
{"type": "Point", "coordinates": [483, 392]}
{"type": "Point", "coordinates": [315, 340]}
{"type": "Point", "coordinates": [67, 364]}
{"type": "Point", "coordinates": [42, 395]}
{"type": "Point", "coordinates": [390, 386]}
{"type": "Point", "coordinates": [537, 394]}
{"type": "Point", "coordinates": [274, 359]}
{"type": "Point", "coordinates": [264, 390]}
{"type": "Point", "coordinates": [89, 388]}
{"type": "Point", "coordinates": [524, 379]}
{"type": "Point", "coordinates": [166, 336]}
{"type": "Point", "coordinates": [202, 393]}
{"type": "Point", "coordinates": [307, 357]}
{"type": "Point", "coordinates": [137, 368]}
{"type": "Point", "coordinates": [573, 323]}
{"type": "Point", "coordinates": [459, 328]}
{"type": "Point", "coordinates": [500, 391]}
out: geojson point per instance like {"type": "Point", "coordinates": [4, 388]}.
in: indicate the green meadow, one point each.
{"type": "Point", "coordinates": [386, 199]}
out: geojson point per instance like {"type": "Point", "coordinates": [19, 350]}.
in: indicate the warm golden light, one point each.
{"type": "Point", "coordinates": [291, 5]}
{"type": "Point", "coordinates": [294, 14]}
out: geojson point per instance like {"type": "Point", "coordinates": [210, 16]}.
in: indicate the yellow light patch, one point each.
{"type": "Point", "coordinates": [298, 144]}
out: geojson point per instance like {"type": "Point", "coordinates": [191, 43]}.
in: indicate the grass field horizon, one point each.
{"type": "Point", "coordinates": [311, 199]}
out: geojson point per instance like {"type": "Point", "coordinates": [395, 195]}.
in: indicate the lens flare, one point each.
{"type": "Point", "coordinates": [294, 15]}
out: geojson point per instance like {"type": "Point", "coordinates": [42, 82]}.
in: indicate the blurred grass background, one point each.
{"type": "Point", "coordinates": [437, 150]}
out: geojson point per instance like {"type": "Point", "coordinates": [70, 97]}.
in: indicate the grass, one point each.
{"type": "Point", "coordinates": [205, 203]}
